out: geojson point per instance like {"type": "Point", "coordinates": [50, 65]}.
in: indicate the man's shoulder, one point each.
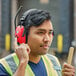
{"type": "Point", "coordinates": [54, 59]}
{"type": "Point", "coordinates": [10, 63]}
{"type": "Point", "coordinates": [55, 62]}
{"type": "Point", "coordinates": [8, 57]}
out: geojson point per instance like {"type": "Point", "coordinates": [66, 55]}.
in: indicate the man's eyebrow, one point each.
{"type": "Point", "coordinates": [41, 30]}
{"type": "Point", "coordinates": [45, 30]}
{"type": "Point", "coordinates": [51, 30]}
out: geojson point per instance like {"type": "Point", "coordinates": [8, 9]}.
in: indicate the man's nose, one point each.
{"type": "Point", "coordinates": [46, 38]}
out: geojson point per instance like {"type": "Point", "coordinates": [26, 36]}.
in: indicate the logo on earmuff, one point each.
{"type": "Point", "coordinates": [17, 31]}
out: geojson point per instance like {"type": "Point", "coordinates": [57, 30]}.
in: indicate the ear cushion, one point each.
{"type": "Point", "coordinates": [19, 34]}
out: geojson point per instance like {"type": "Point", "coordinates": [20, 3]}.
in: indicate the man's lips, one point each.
{"type": "Point", "coordinates": [45, 46]}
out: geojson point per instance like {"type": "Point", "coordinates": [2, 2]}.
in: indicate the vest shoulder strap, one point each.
{"type": "Point", "coordinates": [9, 63]}
{"type": "Point", "coordinates": [56, 64]}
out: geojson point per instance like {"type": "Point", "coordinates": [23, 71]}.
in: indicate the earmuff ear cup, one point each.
{"type": "Point", "coordinates": [20, 31]}
{"type": "Point", "coordinates": [19, 34]}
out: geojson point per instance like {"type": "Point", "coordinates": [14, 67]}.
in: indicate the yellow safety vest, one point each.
{"type": "Point", "coordinates": [11, 63]}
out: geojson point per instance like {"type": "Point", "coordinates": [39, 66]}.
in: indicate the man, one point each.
{"type": "Point", "coordinates": [31, 59]}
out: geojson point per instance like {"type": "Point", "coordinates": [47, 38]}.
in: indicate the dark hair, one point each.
{"type": "Point", "coordinates": [34, 17]}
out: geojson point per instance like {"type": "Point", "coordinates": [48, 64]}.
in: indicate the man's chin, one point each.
{"type": "Point", "coordinates": [43, 53]}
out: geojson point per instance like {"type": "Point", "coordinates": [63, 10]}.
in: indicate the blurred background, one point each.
{"type": "Point", "coordinates": [63, 14]}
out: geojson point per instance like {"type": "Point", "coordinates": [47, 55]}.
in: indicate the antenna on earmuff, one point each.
{"type": "Point", "coordinates": [17, 15]}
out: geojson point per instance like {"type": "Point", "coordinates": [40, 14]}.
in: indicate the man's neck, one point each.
{"type": "Point", "coordinates": [34, 58]}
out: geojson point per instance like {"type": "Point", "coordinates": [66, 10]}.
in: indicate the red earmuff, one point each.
{"type": "Point", "coordinates": [19, 30]}
{"type": "Point", "coordinates": [19, 34]}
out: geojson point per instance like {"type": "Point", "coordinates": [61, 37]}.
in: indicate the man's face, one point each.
{"type": "Point", "coordinates": [40, 38]}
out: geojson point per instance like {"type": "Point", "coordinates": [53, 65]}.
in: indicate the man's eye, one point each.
{"type": "Point", "coordinates": [40, 32]}
{"type": "Point", "coordinates": [51, 32]}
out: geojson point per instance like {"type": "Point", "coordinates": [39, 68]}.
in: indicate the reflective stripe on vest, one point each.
{"type": "Point", "coordinates": [56, 64]}
{"type": "Point", "coordinates": [6, 66]}
{"type": "Point", "coordinates": [11, 63]}
{"type": "Point", "coordinates": [49, 65]}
